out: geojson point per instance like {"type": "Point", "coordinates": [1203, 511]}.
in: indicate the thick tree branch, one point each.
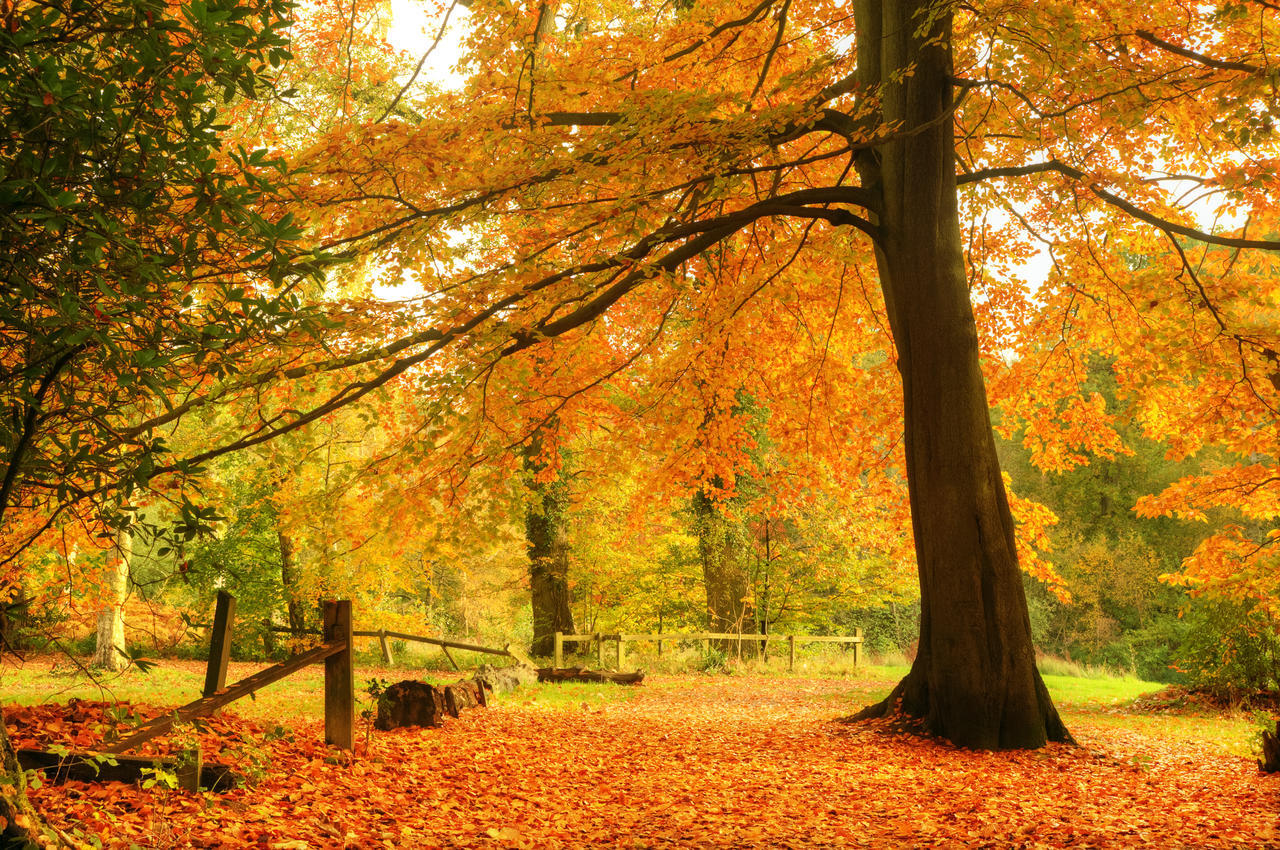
{"type": "Point", "coordinates": [1207, 61]}
{"type": "Point", "coordinates": [701, 235]}
{"type": "Point", "coordinates": [1118, 202]}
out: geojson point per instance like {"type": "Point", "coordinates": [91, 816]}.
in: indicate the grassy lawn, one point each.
{"type": "Point", "coordinates": [1092, 702]}
{"type": "Point", "coordinates": [301, 696]}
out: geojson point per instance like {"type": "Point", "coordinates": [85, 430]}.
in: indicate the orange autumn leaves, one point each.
{"type": "Point", "coordinates": [739, 761]}
{"type": "Point", "coordinates": [578, 157]}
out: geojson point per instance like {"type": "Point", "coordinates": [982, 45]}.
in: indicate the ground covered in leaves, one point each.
{"type": "Point", "coordinates": [688, 762]}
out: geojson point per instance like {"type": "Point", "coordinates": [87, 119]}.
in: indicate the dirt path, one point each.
{"type": "Point", "coordinates": [702, 762]}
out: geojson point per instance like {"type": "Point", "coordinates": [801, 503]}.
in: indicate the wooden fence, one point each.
{"type": "Point", "coordinates": [335, 651]}
{"type": "Point", "coordinates": [339, 681]}
{"type": "Point", "coordinates": [445, 644]}
{"type": "Point", "coordinates": [599, 639]}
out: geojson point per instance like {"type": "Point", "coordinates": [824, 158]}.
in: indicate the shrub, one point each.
{"type": "Point", "coordinates": [1231, 649]}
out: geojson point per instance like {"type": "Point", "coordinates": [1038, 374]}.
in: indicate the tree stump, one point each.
{"type": "Point", "coordinates": [502, 680]}
{"type": "Point", "coordinates": [463, 695]}
{"type": "Point", "coordinates": [410, 703]}
{"type": "Point", "coordinates": [413, 703]}
{"type": "Point", "coordinates": [1270, 761]}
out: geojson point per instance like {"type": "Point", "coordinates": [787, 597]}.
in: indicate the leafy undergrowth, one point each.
{"type": "Point", "coordinates": [1181, 700]}
{"type": "Point", "coordinates": [689, 762]}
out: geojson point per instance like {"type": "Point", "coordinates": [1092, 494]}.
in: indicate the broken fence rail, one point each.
{"type": "Point", "coordinates": [445, 644]}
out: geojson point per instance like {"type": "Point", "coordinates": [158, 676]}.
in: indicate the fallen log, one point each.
{"type": "Point", "coordinates": [414, 703]}
{"type": "Point", "coordinates": [92, 767]}
{"type": "Point", "coordinates": [581, 674]}
{"type": "Point", "coordinates": [1270, 761]}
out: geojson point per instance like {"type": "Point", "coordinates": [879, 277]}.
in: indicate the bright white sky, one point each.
{"type": "Point", "coordinates": [413, 32]}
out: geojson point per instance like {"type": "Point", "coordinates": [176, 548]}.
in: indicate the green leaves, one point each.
{"type": "Point", "coordinates": [140, 258]}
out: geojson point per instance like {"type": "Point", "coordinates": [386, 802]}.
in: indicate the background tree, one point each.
{"type": "Point", "coordinates": [548, 539]}
{"type": "Point", "coordinates": [111, 651]}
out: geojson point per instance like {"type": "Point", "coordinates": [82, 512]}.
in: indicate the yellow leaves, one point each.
{"type": "Point", "coordinates": [1233, 564]}
{"type": "Point", "coordinates": [1252, 490]}
{"type": "Point", "coordinates": [1033, 521]}
{"type": "Point", "coordinates": [506, 833]}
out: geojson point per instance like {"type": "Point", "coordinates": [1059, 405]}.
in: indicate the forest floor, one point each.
{"type": "Point", "coordinates": [680, 761]}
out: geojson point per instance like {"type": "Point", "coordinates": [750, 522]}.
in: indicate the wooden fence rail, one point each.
{"type": "Point", "coordinates": [445, 644]}
{"type": "Point", "coordinates": [599, 639]}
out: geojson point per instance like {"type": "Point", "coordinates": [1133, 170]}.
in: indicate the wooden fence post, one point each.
{"type": "Point", "coordinates": [339, 680]}
{"type": "Point", "coordinates": [559, 653]}
{"type": "Point", "coordinates": [599, 650]}
{"type": "Point", "coordinates": [791, 653]}
{"type": "Point", "coordinates": [619, 652]}
{"type": "Point", "coordinates": [386, 648]}
{"type": "Point", "coordinates": [857, 647]}
{"type": "Point", "coordinates": [224, 615]}
{"type": "Point", "coordinates": [189, 765]}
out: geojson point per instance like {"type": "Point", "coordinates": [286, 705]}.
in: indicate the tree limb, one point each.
{"type": "Point", "coordinates": [1117, 202]}
{"type": "Point", "coordinates": [1208, 61]}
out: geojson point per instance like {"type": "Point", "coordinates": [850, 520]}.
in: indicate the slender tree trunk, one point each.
{"type": "Point", "coordinates": [110, 649]}
{"type": "Point", "coordinates": [548, 553]}
{"type": "Point", "coordinates": [290, 579]}
{"type": "Point", "coordinates": [724, 573]}
{"type": "Point", "coordinates": [974, 680]}
{"type": "Point", "coordinates": [12, 614]}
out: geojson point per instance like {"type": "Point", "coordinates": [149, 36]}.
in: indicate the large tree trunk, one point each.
{"type": "Point", "coordinates": [724, 574]}
{"type": "Point", "coordinates": [974, 680]}
{"type": "Point", "coordinates": [548, 552]}
{"type": "Point", "coordinates": [109, 653]}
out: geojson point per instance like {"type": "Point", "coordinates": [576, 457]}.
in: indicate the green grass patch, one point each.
{"type": "Point", "coordinates": [566, 695]}
{"type": "Point", "coordinates": [1097, 691]}
{"type": "Point", "coordinates": [300, 697]}
{"type": "Point", "coordinates": [37, 682]}
{"type": "Point", "coordinates": [1052, 665]}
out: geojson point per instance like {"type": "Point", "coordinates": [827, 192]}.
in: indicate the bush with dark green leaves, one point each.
{"type": "Point", "coordinates": [1231, 649]}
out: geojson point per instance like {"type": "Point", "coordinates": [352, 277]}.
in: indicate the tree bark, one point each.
{"type": "Point", "coordinates": [109, 653]}
{"type": "Point", "coordinates": [1270, 761]}
{"type": "Point", "coordinates": [290, 581]}
{"type": "Point", "coordinates": [18, 822]}
{"type": "Point", "coordinates": [724, 573]}
{"type": "Point", "coordinates": [413, 703]}
{"type": "Point", "coordinates": [548, 552]}
{"type": "Point", "coordinates": [12, 614]}
{"type": "Point", "coordinates": [974, 680]}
